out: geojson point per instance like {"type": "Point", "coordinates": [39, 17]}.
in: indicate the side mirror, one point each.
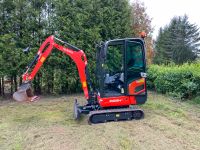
{"type": "Point", "coordinates": [26, 50]}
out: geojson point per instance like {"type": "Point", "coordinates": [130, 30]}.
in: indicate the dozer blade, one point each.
{"type": "Point", "coordinates": [24, 93]}
{"type": "Point", "coordinates": [77, 113]}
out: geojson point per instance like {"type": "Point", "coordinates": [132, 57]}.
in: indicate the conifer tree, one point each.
{"type": "Point", "coordinates": [178, 42]}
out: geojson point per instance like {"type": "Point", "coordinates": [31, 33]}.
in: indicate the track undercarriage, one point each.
{"type": "Point", "coordinates": [107, 115]}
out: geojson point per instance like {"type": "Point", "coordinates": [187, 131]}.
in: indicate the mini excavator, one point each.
{"type": "Point", "coordinates": [120, 78]}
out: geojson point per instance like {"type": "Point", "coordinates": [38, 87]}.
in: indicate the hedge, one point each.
{"type": "Point", "coordinates": [179, 81]}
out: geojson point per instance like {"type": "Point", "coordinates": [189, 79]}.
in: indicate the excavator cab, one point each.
{"type": "Point", "coordinates": [121, 69]}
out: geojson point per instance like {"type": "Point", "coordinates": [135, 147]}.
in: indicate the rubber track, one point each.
{"type": "Point", "coordinates": [110, 111]}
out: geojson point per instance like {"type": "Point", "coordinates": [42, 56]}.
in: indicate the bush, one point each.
{"type": "Point", "coordinates": [179, 81]}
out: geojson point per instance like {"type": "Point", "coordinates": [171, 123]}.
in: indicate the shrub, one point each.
{"type": "Point", "coordinates": [178, 81]}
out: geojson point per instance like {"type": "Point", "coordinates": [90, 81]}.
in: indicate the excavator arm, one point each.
{"type": "Point", "coordinates": [77, 55]}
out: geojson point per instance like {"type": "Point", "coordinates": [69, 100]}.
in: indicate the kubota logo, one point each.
{"type": "Point", "coordinates": [115, 100]}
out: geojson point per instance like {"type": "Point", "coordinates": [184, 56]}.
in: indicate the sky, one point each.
{"type": "Point", "coordinates": [161, 11]}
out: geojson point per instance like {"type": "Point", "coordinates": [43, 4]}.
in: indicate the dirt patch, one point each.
{"type": "Point", "coordinates": [49, 124]}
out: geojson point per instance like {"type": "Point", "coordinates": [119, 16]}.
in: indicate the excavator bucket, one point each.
{"type": "Point", "coordinates": [24, 93]}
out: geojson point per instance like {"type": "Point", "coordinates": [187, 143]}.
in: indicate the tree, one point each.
{"type": "Point", "coordinates": [80, 22]}
{"type": "Point", "coordinates": [22, 25]}
{"type": "Point", "coordinates": [85, 23]}
{"type": "Point", "coordinates": [8, 55]}
{"type": "Point", "coordinates": [178, 42]}
{"type": "Point", "coordinates": [142, 22]}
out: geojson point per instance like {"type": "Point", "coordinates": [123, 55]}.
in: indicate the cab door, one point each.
{"type": "Point", "coordinates": [113, 69]}
{"type": "Point", "coordinates": [135, 70]}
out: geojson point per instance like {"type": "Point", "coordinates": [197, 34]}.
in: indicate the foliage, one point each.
{"type": "Point", "coordinates": [178, 42]}
{"type": "Point", "coordinates": [142, 22]}
{"type": "Point", "coordinates": [82, 23]}
{"type": "Point", "coordinates": [179, 81]}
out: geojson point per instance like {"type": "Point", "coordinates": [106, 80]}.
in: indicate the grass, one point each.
{"type": "Point", "coordinates": [165, 105]}
{"type": "Point", "coordinates": [195, 100]}
{"type": "Point", "coordinates": [49, 124]}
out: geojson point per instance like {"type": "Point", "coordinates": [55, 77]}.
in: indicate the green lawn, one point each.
{"type": "Point", "coordinates": [49, 124]}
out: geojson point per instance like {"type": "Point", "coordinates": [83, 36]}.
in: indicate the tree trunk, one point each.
{"type": "Point", "coordinates": [2, 84]}
{"type": "Point", "coordinates": [50, 83]}
{"type": "Point", "coordinates": [15, 82]}
{"type": "Point", "coordinates": [34, 85]}
{"type": "Point", "coordinates": [39, 88]}
{"type": "Point", "coordinates": [0, 87]}
{"type": "Point", "coordinates": [11, 85]}
{"type": "Point", "coordinates": [20, 80]}
{"type": "Point", "coordinates": [48, 88]}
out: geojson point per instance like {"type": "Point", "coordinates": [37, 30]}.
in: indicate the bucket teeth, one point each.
{"type": "Point", "coordinates": [24, 93]}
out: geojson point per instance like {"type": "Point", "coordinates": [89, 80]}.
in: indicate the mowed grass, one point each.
{"type": "Point", "coordinates": [49, 124]}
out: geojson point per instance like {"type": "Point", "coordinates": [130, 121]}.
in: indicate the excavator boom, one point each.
{"type": "Point", "coordinates": [77, 55]}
